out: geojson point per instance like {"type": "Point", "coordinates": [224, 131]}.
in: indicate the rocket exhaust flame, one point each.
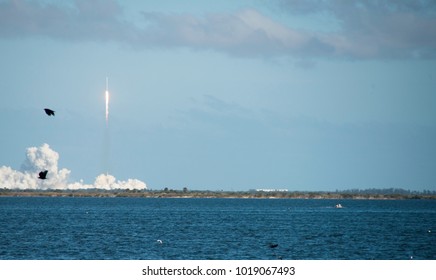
{"type": "Point", "coordinates": [106, 140]}
{"type": "Point", "coordinates": [107, 102]}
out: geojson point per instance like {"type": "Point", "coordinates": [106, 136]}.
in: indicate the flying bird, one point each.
{"type": "Point", "coordinates": [49, 112]}
{"type": "Point", "coordinates": [43, 175]}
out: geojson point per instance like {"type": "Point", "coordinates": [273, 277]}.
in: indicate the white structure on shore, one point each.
{"type": "Point", "coordinates": [271, 190]}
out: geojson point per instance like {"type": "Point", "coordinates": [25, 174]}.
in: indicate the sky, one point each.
{"type": "Point", "coordinates": [312, 95]}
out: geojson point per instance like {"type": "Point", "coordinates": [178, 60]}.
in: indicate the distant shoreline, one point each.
{"type": "Point", "coordinates": [208, 194]}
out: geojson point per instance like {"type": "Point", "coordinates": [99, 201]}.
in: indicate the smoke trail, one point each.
{"type": "Point", "coordinates": [106, 147]}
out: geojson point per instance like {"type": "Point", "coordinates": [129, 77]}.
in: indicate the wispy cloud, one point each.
{"type": "Point", "coordinates": [375, 29]}
{"type": "Point", "coordinates": [84, 20]}
{"type": "Point", "coordinates": [244, 33]}
{"type": "Point", "coordinates": [367, 30]}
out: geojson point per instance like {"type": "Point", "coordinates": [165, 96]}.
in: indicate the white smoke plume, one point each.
{"type": "Point", "coordinates": [44, 158]}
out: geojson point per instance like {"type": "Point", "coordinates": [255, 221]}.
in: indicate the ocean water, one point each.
{"type": "Point", "coordinates": [220, 229]}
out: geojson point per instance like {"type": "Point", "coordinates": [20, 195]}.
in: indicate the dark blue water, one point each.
{"type": "Point", "coordinates": [128, 228]}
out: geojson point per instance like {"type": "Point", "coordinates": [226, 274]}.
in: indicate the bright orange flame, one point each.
{"type": "Point", "coordinates": [107, 106]}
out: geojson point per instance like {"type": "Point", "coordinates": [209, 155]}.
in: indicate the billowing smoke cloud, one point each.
{"type": "Point", "coordinates": [44, 158]}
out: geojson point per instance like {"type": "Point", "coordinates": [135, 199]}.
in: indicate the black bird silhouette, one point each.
{"type": "Point", "coordinates": [273, 245]}
{"type": "Point", "coordinates": [49, 112]}
{"type": "Point", "coordinates": [43, 175]}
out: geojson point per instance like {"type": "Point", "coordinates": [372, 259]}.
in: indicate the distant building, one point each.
{"type": "Point", "coordinates": [271, 190]}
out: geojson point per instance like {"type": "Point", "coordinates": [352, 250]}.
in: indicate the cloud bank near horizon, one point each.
{"type": "Point", "coordinates": [44, 158]}
{"type": "Point", "coordinates": [366, 30]}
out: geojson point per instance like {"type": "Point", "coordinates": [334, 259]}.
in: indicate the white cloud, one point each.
{"type": "Point", "coordinates": [44, 158]}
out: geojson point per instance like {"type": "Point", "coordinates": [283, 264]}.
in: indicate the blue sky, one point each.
{"type": "Point", "coordinates": [233, 95]}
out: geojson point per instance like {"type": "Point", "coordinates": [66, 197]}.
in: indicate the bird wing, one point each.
{"type": "Point", "coordinates": [49, 112]}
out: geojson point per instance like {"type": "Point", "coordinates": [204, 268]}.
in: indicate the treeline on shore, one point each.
{"type": "Point", "coordinates": [185, 193]}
